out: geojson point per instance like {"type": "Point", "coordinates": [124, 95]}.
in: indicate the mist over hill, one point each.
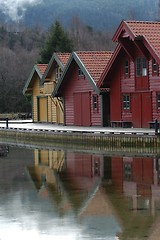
{"type": "Point", "coordinates": [99, 14]}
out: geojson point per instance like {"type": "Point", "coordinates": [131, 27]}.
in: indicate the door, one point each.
{"type": "Point", "coordinates": [141, 109]}
{"type": "Point", "coordinates": [142, 80]}
{"type": "Point", "coordinates": [42, 109]}
{"type": "Point", "coordinates": [106, 110]}
{"type": "Point", "coordinates": [82, 109]}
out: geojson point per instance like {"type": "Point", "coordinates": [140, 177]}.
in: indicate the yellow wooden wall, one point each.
{"type": "Point", "coordinates": [35, 93]}
{"type": "Point", "coordinates": [45, 108]}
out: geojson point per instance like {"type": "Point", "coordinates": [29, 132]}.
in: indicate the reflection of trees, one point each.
{"type": "Point", "coordinates": [4, 149]}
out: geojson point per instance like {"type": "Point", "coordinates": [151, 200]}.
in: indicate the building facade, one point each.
{"type": "Point", "coordinates": [83, 100]}
{"type": "Point", "coordinates": [133, 74]}
{"type": "Point", "coordinates": [40, 86]}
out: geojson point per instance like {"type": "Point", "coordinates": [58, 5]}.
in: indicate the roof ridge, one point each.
{"type": "Point", "coordinates": [142, 21]}
{"type": "Point", "coordinates": [94, 51]}
{"type": "Point", "coordinates": [63, 53]}
{"type": "Point", "coordinates": [41, 64]}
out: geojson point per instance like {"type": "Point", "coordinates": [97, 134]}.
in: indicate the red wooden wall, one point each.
{"type": "Point", "coordinates": [143, 97]}
{"type": "Point", "coordinates": [78, 98]}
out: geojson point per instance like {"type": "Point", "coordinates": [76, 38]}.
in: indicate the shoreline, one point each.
{"type": "Point", "coordinates": [110, 139]}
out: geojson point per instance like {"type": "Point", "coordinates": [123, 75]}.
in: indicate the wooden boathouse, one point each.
{"type": "Point", "coordinates": [83, 100]}
{"type": "Point", "coordinates": [133, 75]}
{"type": "Point", "coordinates": [39, 87]}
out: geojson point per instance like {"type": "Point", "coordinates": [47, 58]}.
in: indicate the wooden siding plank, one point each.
{"type": "Point", "coordinates": [86, 109]}
{"type": "Point", "coordinates": [77, 109]}
{"type": "Point", "coordinates": [42, 109]}
{"type": "Point", "coordinates": [77, 84]}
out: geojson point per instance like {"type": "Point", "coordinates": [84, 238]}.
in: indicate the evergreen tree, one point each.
{"type": "Point", "coordinates": [56, 41]}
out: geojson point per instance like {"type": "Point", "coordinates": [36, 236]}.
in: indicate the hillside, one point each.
{"type": "Point", "coordinates": [99, 14]}
{"type": "Point", "coordinates": [92, 28]}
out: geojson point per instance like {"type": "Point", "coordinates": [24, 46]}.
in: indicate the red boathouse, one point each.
{"type": "Point", "coordinates": [83, 99]}
{"type": "Point", "coordinates": [132, 74]}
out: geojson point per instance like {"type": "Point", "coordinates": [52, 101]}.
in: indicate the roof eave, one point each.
{"type": "Point", "coordinates": [60, 81]}
{"type": "Point", "coordinates": [53, 59]}
{"type": "Point", "coordinates": [74, 56]}
{"type": "Point", "coordinates": [109, 65]}
{"type": "Point", "coordinates": [124, 26]}
{"type": "Point", "coordinates": [86, 72]}
{"type": "Point", "coordinates": [151, 50]}
{"type": "Point", "coordinates": [34, 70]}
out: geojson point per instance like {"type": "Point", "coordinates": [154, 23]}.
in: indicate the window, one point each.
{"type": "Point", "coordinates": [58, 73]}
{"type": "Point", "coordinates": [141, 67]}
{"type": "Point", "coordinates": [95, 103]}
{"type": "Point", "coordinates": [144, 67]}
{"type": "Point", "coordinates": [155, 67]}
{"type": "Point", "coordinates": [96, 168]}
{"type": "Point", "coordinates": [158, 101]}
{"type": "Point", "coordinates": [126, 101]}
{"type": "Point", "coordinates": [126, 67]}
{"type": "Point", "coordinates": [127, 171]}
{"type": "Point", "coordinates": [80, 72]}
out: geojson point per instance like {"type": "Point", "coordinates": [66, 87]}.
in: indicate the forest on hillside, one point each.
{"type": "Point", "coordinates": [21, 42]}
{"type": "Point", "coordinates": [20, 50]}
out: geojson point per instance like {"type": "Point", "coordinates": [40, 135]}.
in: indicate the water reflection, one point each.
{"type": "Point", "coordinates": [61, 194]}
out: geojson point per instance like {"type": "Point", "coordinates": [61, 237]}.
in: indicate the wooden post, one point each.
{"type": "Point", "coordinates": [6, 122]}
{"type": "Point", "coordinates": [156, 126]}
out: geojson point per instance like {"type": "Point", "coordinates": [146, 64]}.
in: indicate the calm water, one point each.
{"type": "Point", "coordinates": [49, 194]}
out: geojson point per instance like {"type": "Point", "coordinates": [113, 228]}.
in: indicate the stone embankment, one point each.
{"type": "Point", "coordinates": [88, 138]}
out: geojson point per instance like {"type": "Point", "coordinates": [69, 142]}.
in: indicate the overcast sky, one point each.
{"type": "Point", "coordinates": [16, 8]}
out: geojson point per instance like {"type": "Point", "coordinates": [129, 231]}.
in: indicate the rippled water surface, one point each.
{"type": "Point", "coordinates": [61, 194]}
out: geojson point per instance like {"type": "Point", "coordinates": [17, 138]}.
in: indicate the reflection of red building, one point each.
{"type": "Point", "coordinates": [84, 169]}
{"type": "Point", "coordinates": [85, 165]}
{"type": "Point", "coordinates": [137, 178]}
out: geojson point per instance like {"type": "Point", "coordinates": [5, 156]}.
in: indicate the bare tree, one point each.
{"type": "Point", "coordinates": [86, 38]}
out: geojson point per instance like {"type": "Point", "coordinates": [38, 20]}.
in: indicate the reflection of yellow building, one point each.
{"type": "Point", "coordinates": [50, 159]}
{"type": "Point", "coordinates": [121, 199]}
{"type": "Point", "coordinates": [40, 85]}
{"type": "Point", "coordinates": [47, 162]}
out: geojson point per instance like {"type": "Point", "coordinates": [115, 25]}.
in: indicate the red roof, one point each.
{"type": "Point", "coordinates": [42, 68]}
{"type": "Point", "coordinates": [149, 30]}
{"type": "Point", "coordinates": [95, 62]}
{"type": "Point", "coordinates": [63, 57]}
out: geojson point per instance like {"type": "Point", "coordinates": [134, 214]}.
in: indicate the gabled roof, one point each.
{"type": "Point", "coordinates": [38, 70]}
{"type": "Point", "coordinates": [57, 58]}
{"type": "Point", "coordinates": [109, 65]}
{"type": "Point", "coordinates": [92, 63]}
{"type": "Point", "coordinates": [149, 31]}
{"type": "Point", "coordinates": [41, 68]}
